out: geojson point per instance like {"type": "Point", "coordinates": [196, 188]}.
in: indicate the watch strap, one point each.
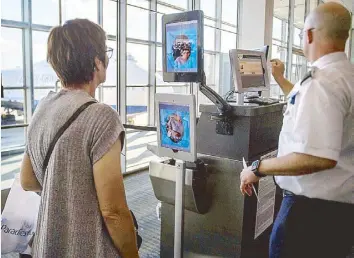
{"type": "Point", "coordinates": [255, 168]}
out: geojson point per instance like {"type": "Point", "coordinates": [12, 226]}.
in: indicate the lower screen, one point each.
{"type": "Point", "coordinates": [175, 126]}
{"type": "Point", "coordinates": [181, 47]}
{"type": "Point", "coordinates": [251, 71]}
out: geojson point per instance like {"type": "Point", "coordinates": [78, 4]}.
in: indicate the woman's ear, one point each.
{"type": "Point", "coordinates": [98, 64]}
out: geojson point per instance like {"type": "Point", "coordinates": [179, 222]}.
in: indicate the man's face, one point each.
{"type": "Point", "coordinates": [305, 44]}
{"type": "Point", "coordinates": [305, 38]}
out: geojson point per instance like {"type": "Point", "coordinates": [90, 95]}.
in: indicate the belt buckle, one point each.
{"type": "Point", "coordinates": [287, 193]}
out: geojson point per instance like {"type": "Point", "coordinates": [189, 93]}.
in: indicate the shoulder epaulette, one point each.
{"type": "Point", "coordinates": [307, 76]}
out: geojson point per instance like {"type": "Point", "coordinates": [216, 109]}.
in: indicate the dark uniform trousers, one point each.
{"type": "Point", "coordinates": [311, 228]}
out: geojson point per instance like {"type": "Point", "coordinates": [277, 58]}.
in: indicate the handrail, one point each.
{"type": "Point", "coordinates": [13, 126]}
{"type": "Point", "coordinates": [141, 128]}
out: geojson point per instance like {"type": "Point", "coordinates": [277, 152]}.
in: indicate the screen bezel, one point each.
{"type": "Point", "coordinates": [236, 75]}
{"type": "Point", "coordinates": [183, 17]}
{"type": "Point", "coordinates": [177, 99]}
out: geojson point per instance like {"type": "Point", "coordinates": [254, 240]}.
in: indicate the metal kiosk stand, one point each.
{"type": "Point", "coordinates": [179, 209]}
{"type": "Point", "coordinates": [176, 133]}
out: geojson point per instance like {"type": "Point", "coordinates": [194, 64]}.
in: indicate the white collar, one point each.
{"type": "Point", "coordinates": [329, 58]}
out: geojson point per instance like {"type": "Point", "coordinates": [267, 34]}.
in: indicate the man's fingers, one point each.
{"type": "Point", "coordinates": [243, 188]}
{"type": "Point", "coordinates": [246, 189]}
{"type": "Point", "coordinates": [249, 190]}
{"type": "Point", "coordinates": [244, 181]}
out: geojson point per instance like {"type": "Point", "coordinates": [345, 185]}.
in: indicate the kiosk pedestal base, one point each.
{"type": "Point", "coordinates": [224, 231]}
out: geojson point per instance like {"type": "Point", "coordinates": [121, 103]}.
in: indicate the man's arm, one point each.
{"type": "Point", "coordinates": [315, 137]}
{"type": "Point", "coordinates": [278, 70]}
{"type": "Point", "coordinates": [295, 164]}
{"type": "Point", "coordinates": [28, 179]}
{"type": "Point", "coordinates": [109, 185]}
{"type": "Point", "coordinates": [285, 85]}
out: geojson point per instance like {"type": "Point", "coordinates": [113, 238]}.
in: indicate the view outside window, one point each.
{"type": "Point", "coordinates": [297, 37]}
{"type": "Point", "coordinates": [110, 17]}
{"type": "Point", "coordinates": [107, 92]}
{"type": "Point", "coordinates": [229, 11]}
{"type": "Point", "coordinates": [11, 10]}
{"type": "Point", "coordinates": [209, 34]}
{"type": "Point", "coordinates": [183, 4]}
{"type": "Point", "coordinates": [280, 40]}
{"type": "Point", "coordinates": [44, 77]}
{"type": "Point", "coordinates": [11, 57]}
{"type": "Point", "coordinates": [208, 7]}
{"type": "Point", "coordinates": [86, 9]}
{"type": "Point", "coordinates": [13, 101]}
{"type": "Point", "coordinates": [228, 38]}
{"type": "Point", "coordinates": [137, 23]}
{"type": "Point", "coordinates": [281, 46]}
{"type": "Point", "coordinates": [299, 14]}
{"type": "Point", "coordinates": [277, 29]}
{"type": "Point", "coordinates": [220, 35]}
{"type": "Point", "coordinates": [140, 45]}
{"type": "Point", "coordinates": [299, 64]}
{"type": "Point", "coordinates": [45, 12]}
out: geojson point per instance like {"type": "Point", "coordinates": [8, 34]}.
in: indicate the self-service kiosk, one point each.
{"type": "Point", "coordinates": [218, 221]}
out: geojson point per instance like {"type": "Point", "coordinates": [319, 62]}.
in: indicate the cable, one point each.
{"type": "Point", "coordinates": [229, 94]}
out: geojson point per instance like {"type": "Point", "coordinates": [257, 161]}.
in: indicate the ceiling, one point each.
{"type": "Point", "coordinates": [281, 9]}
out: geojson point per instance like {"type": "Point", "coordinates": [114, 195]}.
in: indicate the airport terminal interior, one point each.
{"type": "Point", "coordinates": [135, 78]}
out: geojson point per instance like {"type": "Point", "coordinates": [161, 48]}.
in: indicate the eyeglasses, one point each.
{"type": "Point", "coordinates": [109, 52]}
{"type": "Point", "coordinates": [301, 34]}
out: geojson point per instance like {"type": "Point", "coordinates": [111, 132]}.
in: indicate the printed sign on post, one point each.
{"type": "Point", "coordinates": [266, 200]}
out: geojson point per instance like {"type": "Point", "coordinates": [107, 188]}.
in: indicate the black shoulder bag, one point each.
{"type": "Point", "coordinates": [51, 148]}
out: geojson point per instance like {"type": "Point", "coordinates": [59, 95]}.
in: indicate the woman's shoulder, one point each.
{"type": "Point", "coordinates": [104, 116]}
{"type": "Point", "coordinates": [104, 111]}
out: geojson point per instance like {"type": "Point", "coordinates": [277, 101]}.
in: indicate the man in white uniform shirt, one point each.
{"type": "Point", "coordinates": [315, 163]}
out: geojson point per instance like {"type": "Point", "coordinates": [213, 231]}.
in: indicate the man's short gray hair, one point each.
{"type": "Point", "coordinates": [333, 19]}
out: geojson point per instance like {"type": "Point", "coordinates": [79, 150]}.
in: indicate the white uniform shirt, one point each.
{"type": "Point", "coordinates": [319, 121]}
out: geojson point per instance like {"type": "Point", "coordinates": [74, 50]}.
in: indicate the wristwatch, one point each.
{"type": "Point", "coordinates": [255, 167]}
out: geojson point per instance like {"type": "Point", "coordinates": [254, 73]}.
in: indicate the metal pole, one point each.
{"type": "Point", "coordinates": [290, 40]}
{"type": "Point", "coordinates": [179, 209]}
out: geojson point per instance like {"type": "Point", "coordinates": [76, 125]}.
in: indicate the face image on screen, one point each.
{"type": "Point", "coordinates": [251, 70]}
{"type": "Point", "coordinates": [181, 47]}
{"type": "Point", "coordinates": [175, 126]}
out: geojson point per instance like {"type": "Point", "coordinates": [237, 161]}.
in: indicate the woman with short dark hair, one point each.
{"type": "Point", "coordinates": [83, 211]}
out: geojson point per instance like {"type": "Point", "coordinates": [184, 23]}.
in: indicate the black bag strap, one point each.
{"type": "Point", "coordinates": [62, 130]}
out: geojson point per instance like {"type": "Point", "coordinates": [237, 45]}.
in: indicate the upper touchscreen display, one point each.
{"type": "Point", "coordinates": [181, 47]}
